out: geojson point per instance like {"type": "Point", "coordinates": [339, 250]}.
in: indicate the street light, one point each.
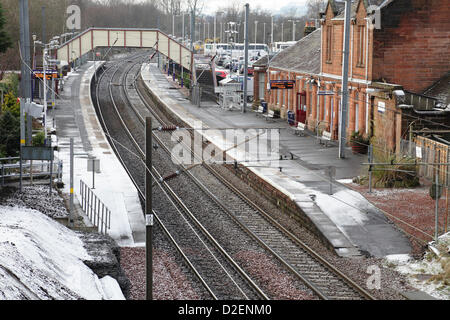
{"type": "Point", "coordinates": [264, 35]}
{"type": "Point", "coordinates": [215, 27]}
{"type": "Point", "coordinates": [293, 28]}
{"type": "Point", "coordinates": [256, 29]}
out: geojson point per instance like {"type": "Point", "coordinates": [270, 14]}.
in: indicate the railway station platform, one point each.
{"type": "Point", "coordinates": [347, 221]}
{"type": "Point", "coordinates": [74, 117]}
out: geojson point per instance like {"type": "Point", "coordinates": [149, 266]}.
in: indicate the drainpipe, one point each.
{"type": "Point", "coordinates": [367, 74]}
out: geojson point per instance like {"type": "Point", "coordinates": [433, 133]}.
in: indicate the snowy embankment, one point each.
{"type": "Point", "coordinates": [42, 259]}
{"type": "Point", "coordinates": [432, 273]}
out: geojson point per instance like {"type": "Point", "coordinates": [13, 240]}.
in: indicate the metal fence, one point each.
{"type": "Point", "coordinates": [431, 156]}
{"type": "Point", "coordinates": [10, 169]}
{"type": "Point", "coordinates": [95, 209]}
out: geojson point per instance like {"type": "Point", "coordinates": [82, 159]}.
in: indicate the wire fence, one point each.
{"type": "Point", "coordinates": [95, 209]}
{"type": "Point", "coordinates": [10, 169]}
{"type": "Point", "coordinates": [431, 156]}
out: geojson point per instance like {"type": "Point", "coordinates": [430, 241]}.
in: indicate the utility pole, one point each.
{"type": "Point", "coordinates": [344, 108]}
{"type": "Point", "coordinates": [44, 66]}
{"type": "Point", "coordinates": [148, 209]}
{"type": "Point", "coordinates": [271, 36]}
{"type": "Point", "coordinates": [25, 83]}
{"type": "Point", "coordinates": [192, 29]}
{"type": "Point", "coordinates": [182, 25]}
{"type": "Point", "coordinates": [173, 25]}
{"type": "Point", "coordinates": [43, 24]}
{"type": "Point", "coordinates": [247, 9]}
{"type": "Point", "coordinates": [293, 28]}
{"type": "Point", "coordinates": [214, 47]}
{"type": "Point", "coordinates": [71, 184]}
{"type": "Point", "coordinates": [264, 35]}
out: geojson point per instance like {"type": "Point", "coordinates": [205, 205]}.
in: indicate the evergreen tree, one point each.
{"type": "Point", "coordinates": [9, 134]}
{"type": "Point", "coordinates": [5, 41]}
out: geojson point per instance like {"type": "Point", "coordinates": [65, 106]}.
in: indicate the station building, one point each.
{"type": "Point", "coordinates": [398, 63]}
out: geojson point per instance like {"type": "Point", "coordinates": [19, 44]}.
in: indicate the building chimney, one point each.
{"type": "Point", "coordinates": [309, 27]}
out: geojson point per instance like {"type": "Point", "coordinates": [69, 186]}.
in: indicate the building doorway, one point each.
{"type": "Point", "coordinates": [300, 114]}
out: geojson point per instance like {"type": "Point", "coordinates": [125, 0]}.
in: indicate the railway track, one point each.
{"type": "Point", "coordinates": [325, 280]}
{"type": "Point", "coordinates": [212, 266]}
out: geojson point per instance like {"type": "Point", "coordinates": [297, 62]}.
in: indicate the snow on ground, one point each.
{"type": "Point", "coordinates": [432, 273]}
{"type": "Point", "coordinates": [42, 259]}
{"type": "Point", "coordinates": [112, 185]}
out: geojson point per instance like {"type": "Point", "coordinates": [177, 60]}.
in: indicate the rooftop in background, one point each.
{"type": "Point", "coordinates": [304, 56]}
{"type": "Point", "coordinates": [440, 90]}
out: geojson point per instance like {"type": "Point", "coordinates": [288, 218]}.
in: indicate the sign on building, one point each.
{"type": "Point", "coordinates": [282, 84]}
{"type": "Point", "coordinates": [381, 107]}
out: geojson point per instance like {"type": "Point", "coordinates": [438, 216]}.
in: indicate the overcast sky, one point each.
{"type": "Point", "coordinates": [274, 6]}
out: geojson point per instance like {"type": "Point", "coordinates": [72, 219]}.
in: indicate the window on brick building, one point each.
{"type": "Point", "coordinates": [328, 45]}
{"type": "Point", "coordinates": [361, 45]}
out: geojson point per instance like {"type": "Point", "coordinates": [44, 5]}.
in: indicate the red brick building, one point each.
{"type": "Point", "coordinates": [399, 49]}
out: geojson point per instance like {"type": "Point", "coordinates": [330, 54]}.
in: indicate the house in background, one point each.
{"type": "Point", "coordinates": [399, 60]}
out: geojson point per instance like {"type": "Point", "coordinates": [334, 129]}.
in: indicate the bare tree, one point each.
{"type": "Point", "coordinates": [315, 7]}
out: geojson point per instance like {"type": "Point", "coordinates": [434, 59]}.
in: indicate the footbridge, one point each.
{"type": "Point", "coordinates": [92, 38]}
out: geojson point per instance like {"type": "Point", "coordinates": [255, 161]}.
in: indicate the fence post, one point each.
{"type": "Point", "coordinates": [436, 217]}
{"type": "Point", "coordinates": [103, 221]}
{"type": "Point", "coordinates": [370, 167]}
{"type": "Point", "coordinates": [98, 214]}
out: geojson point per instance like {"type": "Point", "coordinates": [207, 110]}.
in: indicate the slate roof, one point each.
{"type": "Point", "coordinates": [261, 62]}
{"type": "Point", "coordinates": [304, 56]}
{"type": "Point", "coordinates": [440, 90]}
{"type": "Point", "coordinates": [340, 6]}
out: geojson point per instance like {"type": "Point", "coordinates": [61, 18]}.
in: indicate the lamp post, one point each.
{"type": "Point", "coordinates": [256, 29]}
{"type": "Point", "coordinates": [34, 51]}
{"type": "Point", "coordinates": [264, 35]}
{"type": "Point", "coordinates": [173, 25]}
{"type": "Point", "coordinates": [293, 28]}
{"type": "Point", "coordinates": [282, 31]}
{"type": "Point", "coordinates": [271, 35]}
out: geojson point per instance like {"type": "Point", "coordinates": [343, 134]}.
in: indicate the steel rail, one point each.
{"type": "Point", "coordinates": [187, 210]}
{"type": "Point", "coordinates": [269, 219]}
{"type": "Point", "coordinates": [173, 195]}
{"type": "Point", "coordinates": [142, 195]}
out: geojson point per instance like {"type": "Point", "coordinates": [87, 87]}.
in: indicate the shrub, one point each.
{"type": "Point", "coordinates": [9, 134]}
{"type": "Point", "coordinates": [10, 104]}
{"type": "Point", "coordinates": [38, 139]}
{"type": "Point", "coordinates": [403, 175]}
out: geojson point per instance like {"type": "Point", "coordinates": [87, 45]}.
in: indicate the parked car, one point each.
{"type": "Point", "coordinates": [221, 74]}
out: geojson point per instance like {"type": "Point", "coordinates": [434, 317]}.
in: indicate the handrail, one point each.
{"type": "Point", "coordinates": [95, 209]}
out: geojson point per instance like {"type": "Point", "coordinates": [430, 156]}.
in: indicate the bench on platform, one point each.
{"type": "Point", "coordinates": [270, 115]}
{"type": "Point", "coordinates": [300, 128]}
{"type": "Point", "coordinates": [260, 110]}
{"type": "Point", "coordinates": [326, 136]}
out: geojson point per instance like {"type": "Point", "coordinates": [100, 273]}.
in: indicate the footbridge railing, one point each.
{"type": "Point", "coordinates": [92, 38]}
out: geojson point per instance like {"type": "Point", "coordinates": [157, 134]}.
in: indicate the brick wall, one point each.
{"type": "Point", "coordinates": [413, 47]}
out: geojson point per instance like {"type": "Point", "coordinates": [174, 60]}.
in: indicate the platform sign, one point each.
{"type": "Point", "coordinates": [49, 74]}
{"type": "Point", "coordinates": [282, 84]}
{"type": "Point", "coordinates": [325, 93]}
{"type": "Point", "coordinates": [381, 107]}
{"type": "Point", "coordinates": [93, 165]}
{"type": "Point", "coordinates": [37, 153]}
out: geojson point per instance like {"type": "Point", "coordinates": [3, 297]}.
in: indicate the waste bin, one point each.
{"type": "Point", "coordinates": [264, 105]}
{"type": "Point", "coordinates": [291, 118]}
